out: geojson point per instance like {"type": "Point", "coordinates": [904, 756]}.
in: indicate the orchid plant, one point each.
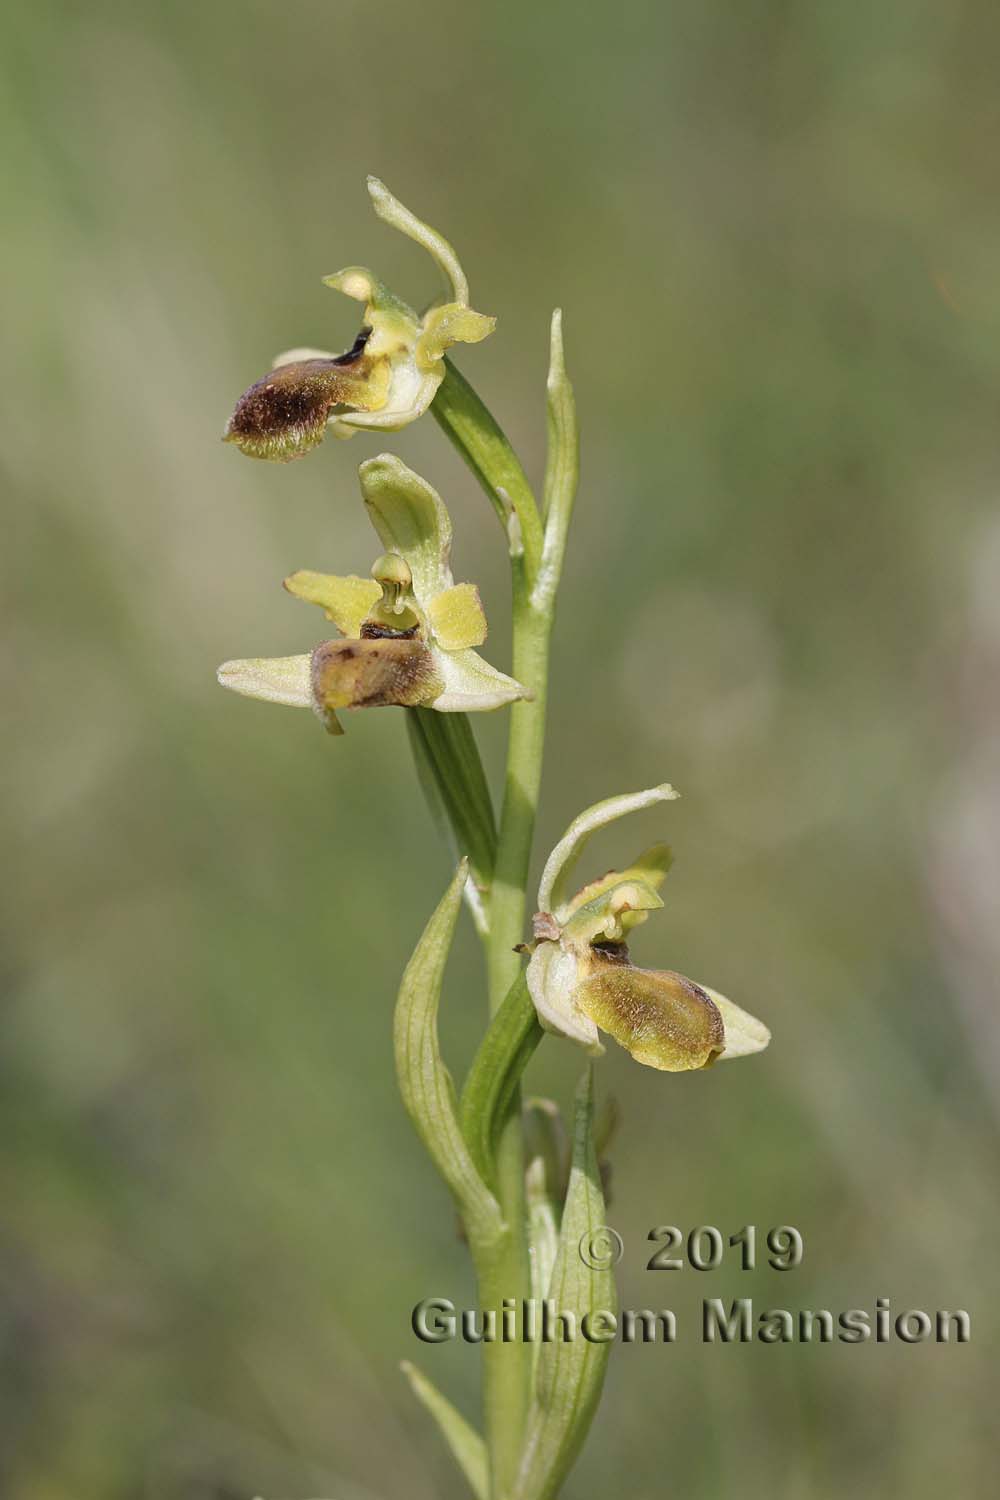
{"type": "Point", "coordinates": [409, 636]}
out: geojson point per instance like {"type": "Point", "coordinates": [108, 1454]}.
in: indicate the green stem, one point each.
{"type": "Point", "coordinates": [536, 561]}
{"type": "Point", "coordinates": [508, 1366]}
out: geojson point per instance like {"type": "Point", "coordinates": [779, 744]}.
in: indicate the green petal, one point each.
{"type": "Point", "coordinates": [275, 679]}
{"type": "Point", "coordinates": [650, 868]}
{"type": "Point", "coordinates": [456, 617]}
{"type": "Point", "coordinates": [411, 519]}
{"type": "Point", "coordinates": [551, 889]}
{"type": "Point", "coordinates": [661, 1018]}
{"type": "Point", "coordinates": [610, 916]}
{"type": "Point", "coordinates": [346, 601]}
{"type": "Point", "coordinates": [451, 324]}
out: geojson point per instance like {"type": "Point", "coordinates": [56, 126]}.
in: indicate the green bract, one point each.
{"type": "Point", "coordinates": [409, 630]}
{"type": "Point", "coordinates": [582, 980]}
{"type": "Point", "coordinates": [387, 379]}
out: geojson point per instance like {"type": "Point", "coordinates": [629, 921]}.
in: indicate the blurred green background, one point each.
{"type": "Point", "coordinates": [774, 228]}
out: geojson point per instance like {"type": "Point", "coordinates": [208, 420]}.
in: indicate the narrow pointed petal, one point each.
{"type": "Point", "coordinates": [456, 618]}
{"type": "Point", "coordinates": [553, 978]}
{"type": "Point", "coordinates": [373, 674]}
{"type": "Point", "coordinates": [564, 856]}
{"type": "Point", "coordinates": [661, 1018]}
{"type": "Point", "coordinates": [451, 324]}
{"type": "Point", "coordinates": [744, 1033]}
{"type": "Point", "coordinates": [346, 601]}
{"type": "Point", "coordinates": [611, 916]}
{"type": "Point", "coordinates": [470, 684]}
{"type": "Point", "coordinates": [650, 868]}
{"type": "Point", "coordinates": [276, 679]}
{"type": "Point", "coordinates": [411, 519]}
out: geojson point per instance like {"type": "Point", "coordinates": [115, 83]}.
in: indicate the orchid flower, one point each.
{"type": "Point", "coordinates": [582, 980]}
{"type": "Point", "coordinates": [408, 631]}
{"type": "Point", "coordinates": [387, 379]}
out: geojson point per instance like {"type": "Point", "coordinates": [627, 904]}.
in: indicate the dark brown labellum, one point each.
{"type": "Point", "coordinates": [284, 414]}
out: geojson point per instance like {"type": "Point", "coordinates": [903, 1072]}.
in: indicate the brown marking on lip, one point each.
{"type": "Point", "coordinates": [373, 673]}
{"type": "Point", "coordinates": [611, 953]}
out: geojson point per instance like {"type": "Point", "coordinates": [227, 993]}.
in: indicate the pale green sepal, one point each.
{"type": "Point", "coordinates": [553, 976]}
{"type": "Point", "coordinates": [492, 1080]}
{"type": "Point", "coordinates": [570, 1373]}
{"type": "Point", "coordinates": [562, 469]}
{"type": "Point", "coordinates": [744, 1033]}
{"type": "Point", "coordinates": [467, 1447]}
{"type": "Point", "coordinates": [391, 211]}
{"type": "Point", "coordinates": [471, 684]}
{"type": "Point", "coordinates": [455, 786]}
{"type": "Point", "coordinates": [275, 679]}
{"type": "Point", "coordinates": [411, 519]}
{"type": "Point", "coordinates": [424, 1081]}
{"type": "Point", "coordinates": [564, 856]}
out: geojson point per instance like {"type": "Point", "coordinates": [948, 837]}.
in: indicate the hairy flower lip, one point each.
{"type": "Point", "coordinates": [284, 413]}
